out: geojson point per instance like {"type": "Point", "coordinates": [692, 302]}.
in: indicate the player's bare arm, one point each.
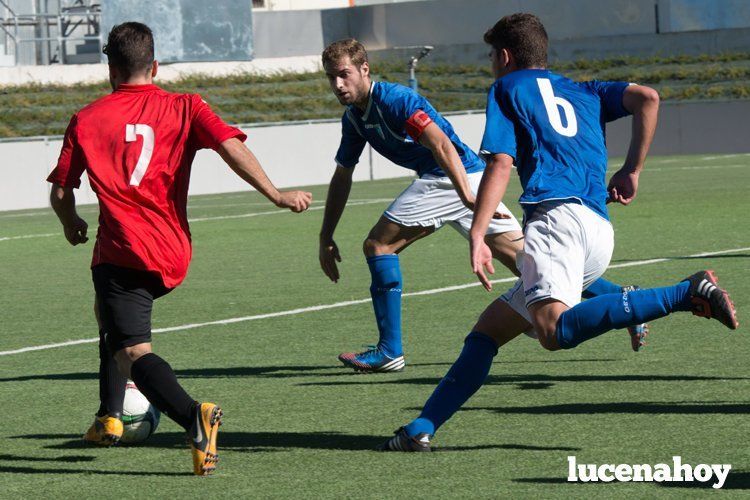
{"type": "Point", "coordinates": [491, 192]}
{"type": "Point", "coordinates": [244, 163]}
{"type": "Point", "coordinates": [63, 202]}
{"type": "Point", "coordinates": [445, 154]}
{"type": "Point", "coordinates": [338, 194]}
{"type": "Point", "coordinates": [643, 103]}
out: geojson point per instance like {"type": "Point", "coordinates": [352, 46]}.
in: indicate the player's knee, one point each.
{"type": "Point", "coordinates": [132, 353]}
{"type": "Point", "coordinates": [372, 247]}
{"type": "Point", "coordinates": [547, 336]}
{"type": "Point", "coordinates": [549, 342]}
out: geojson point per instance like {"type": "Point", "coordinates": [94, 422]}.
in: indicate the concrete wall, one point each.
{"type": "Point", "coordinates": [292, 155]}
{"type": "Point", "coordinates": [302, 154]}
{"type": "Point", "coordinates": [577, 28]}
{"type": "Point", "coordinates": [662, 44]}
{"type": "Point", "coordinates": [696, 15]}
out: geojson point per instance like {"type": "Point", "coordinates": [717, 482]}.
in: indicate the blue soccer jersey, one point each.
{"type": "Point", "coordinates": [554, 129]}
{"type": "Point", "coordinates": [392, 122]}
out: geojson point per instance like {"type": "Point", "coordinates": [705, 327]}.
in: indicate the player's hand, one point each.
{"type": "Point", "coordinates": [470, 202]}
{"type": "Point", "coordinates": [623, 187]}
{"type": "Point", "coordinates": [75, 232]}
{"type": "Point", "coordinates": [481, 260]}
{"type": "Point", "coordinates": [328, 254]}
{"type": "Point", "coordinates": [296, 201]}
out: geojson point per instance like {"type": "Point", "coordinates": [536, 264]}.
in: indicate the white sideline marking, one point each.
{"type": "Point", "coordinates": [27, 236]}
{"type": "Point", "coordinates": [335, 305]}
{"type": "Point", "coordinates": [692, 167]}
{"type": "Point", "coordinates": [198, 206]}
{"type": "Point", "coordinates": [286, 211]}
{"type": "Point", "coordinates": [354, 203]}
{"type": "Point", "coordinates": [721, 157]}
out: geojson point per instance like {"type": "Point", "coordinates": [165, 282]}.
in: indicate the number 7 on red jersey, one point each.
{"type": "Point", "coordinates": [131, 133]}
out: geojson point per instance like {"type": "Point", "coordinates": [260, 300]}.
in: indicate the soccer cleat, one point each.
{"type": "Point", "coordinates": [203, 438]}
{"type": "Point", "coordinates": [710, 301]}
{"type": "Point", "coordinates": [372, 360]}
{"type": "Point", "coordinates": [637, 333]}
{"type": "Point", "coordinates": [401, 441]}
{"type": "Point", "coordinates": [105, 431]}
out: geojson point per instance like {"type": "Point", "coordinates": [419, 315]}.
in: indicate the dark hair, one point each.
{"type": "Point", "coordinates": [130, 47]}
{"type": "Point", "coordinates": [342, 48]}
{"type": "Point", "coordinates": [524, 36]}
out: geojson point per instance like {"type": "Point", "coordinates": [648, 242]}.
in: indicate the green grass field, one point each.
{"type": "Point", "coordinates": [299, 425]}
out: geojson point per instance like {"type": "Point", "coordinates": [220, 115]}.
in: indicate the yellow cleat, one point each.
{"type": "Point", "coordinates": [105, 431]}
{"type": "Point", "coordinates": [203, 438]}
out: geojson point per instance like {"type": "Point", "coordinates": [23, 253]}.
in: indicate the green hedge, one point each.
{"type": "Point", "coordinates": [45, 110]}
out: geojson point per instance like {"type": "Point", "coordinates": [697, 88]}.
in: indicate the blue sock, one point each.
{"type": "Point", "coordinates": [600, 287]}
{"type": "Point", "coordinates": [464, 378]}
{"type": "Point", "coordinates": [386, 300]}
{"type": "Point", "coordinates": [612, 311]}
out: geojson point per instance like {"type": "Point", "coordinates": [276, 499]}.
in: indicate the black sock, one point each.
{"type": "Point", "coordinates": [156, 380]}
{"type": "Point", "coordinates": [111, 382]}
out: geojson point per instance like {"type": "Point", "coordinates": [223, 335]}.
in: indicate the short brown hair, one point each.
{"type": "Point", "coordinates": [524, 36]}
{"type": "Point", "coordinates": [342, 48]}
{"type": "Point", "coordinates": [130, 47]}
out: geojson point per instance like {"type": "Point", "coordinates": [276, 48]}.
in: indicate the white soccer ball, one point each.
{"type": "Point", "coordinates": [139, 418]}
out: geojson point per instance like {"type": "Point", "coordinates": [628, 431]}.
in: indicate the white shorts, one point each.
{"type": "Point", "coordinates": [567, 246]}
{"type": "Point", "coordinates": [433, 201]}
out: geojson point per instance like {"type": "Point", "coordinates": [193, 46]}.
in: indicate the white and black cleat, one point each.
{"type": "Point", "coordinates": [401, 441]}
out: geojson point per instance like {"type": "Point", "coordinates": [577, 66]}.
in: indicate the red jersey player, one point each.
{"type": "Point", "coordinates": [137, 145]}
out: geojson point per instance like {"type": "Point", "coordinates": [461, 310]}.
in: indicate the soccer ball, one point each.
{"type": "Point", "coordinates": [139, 418]}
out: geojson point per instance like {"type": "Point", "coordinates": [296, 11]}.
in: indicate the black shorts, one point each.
{"type": "Point", "coordinates": [125, 298]}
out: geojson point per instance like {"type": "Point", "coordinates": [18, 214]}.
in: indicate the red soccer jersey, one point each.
{"type": "Point", "coordinates": [137, 145]}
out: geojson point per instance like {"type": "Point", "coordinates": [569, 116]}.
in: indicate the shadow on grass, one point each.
{"type": "Point", "coordinates": [509, 446]}
{"type": "Point", "coordinates": [63, 470]}
{"type": "Point", "coordinates": [530, 381]}
{"type": "Point", "coordinates": [739, 480]}
{"type": "Point", "coordinates": [531, 362]}
{"type": "Point", "coordinates": [736, 480]}
{"type": "Point", "coordinates": [271, 371]}
{"type": "Point", "coordinates": [238, 371]}
{"type": "Point", "coordinates": [648, 408]}
{"type": "Point", "coordinates": [24, 458]}
{"type": "Point", "coordinates": [255, 442]}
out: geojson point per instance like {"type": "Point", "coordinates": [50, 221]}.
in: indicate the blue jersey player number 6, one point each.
{"type": "Point", "coordinates": [553, 105]}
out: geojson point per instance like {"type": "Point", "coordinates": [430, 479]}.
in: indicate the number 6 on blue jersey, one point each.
{"type": "Point", "coordinates": [553, 104]}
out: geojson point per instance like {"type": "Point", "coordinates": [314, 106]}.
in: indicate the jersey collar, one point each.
{"type": "Point", "coordinates": [129, 87]}
{"type": "Point", "coordinates": [369, 102]}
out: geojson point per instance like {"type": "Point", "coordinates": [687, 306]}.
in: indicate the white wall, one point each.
{"type": "Point", "coordinates": [292, 155]}
{"type": "Point", "coordinates": [302, 154]}
{"type": "Point", "coordinates": [302, 4]}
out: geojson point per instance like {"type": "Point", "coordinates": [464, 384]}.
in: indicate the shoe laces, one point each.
{"type": "Point", "coordinates": [370, 350]}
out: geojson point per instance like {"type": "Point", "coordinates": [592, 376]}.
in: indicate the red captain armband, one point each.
{"type": "Point", "coordinates": [416, 123]}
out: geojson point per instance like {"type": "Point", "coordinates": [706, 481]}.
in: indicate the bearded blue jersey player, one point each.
{"type": "Point", "coordinates": [403, 126]}
{"type": "Point", "coordinates": [553, 129]}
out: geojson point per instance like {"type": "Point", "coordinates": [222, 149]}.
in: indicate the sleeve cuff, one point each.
{"type": "Point", "coordinates": [230, 134]}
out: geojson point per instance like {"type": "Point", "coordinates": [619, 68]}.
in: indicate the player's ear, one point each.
{"type": "Point", "coordinates": [154, 68]}
{"type": "Point", "coordinates": [506, 58]}
{"type": "Point", "coordinates": [364, 69]}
